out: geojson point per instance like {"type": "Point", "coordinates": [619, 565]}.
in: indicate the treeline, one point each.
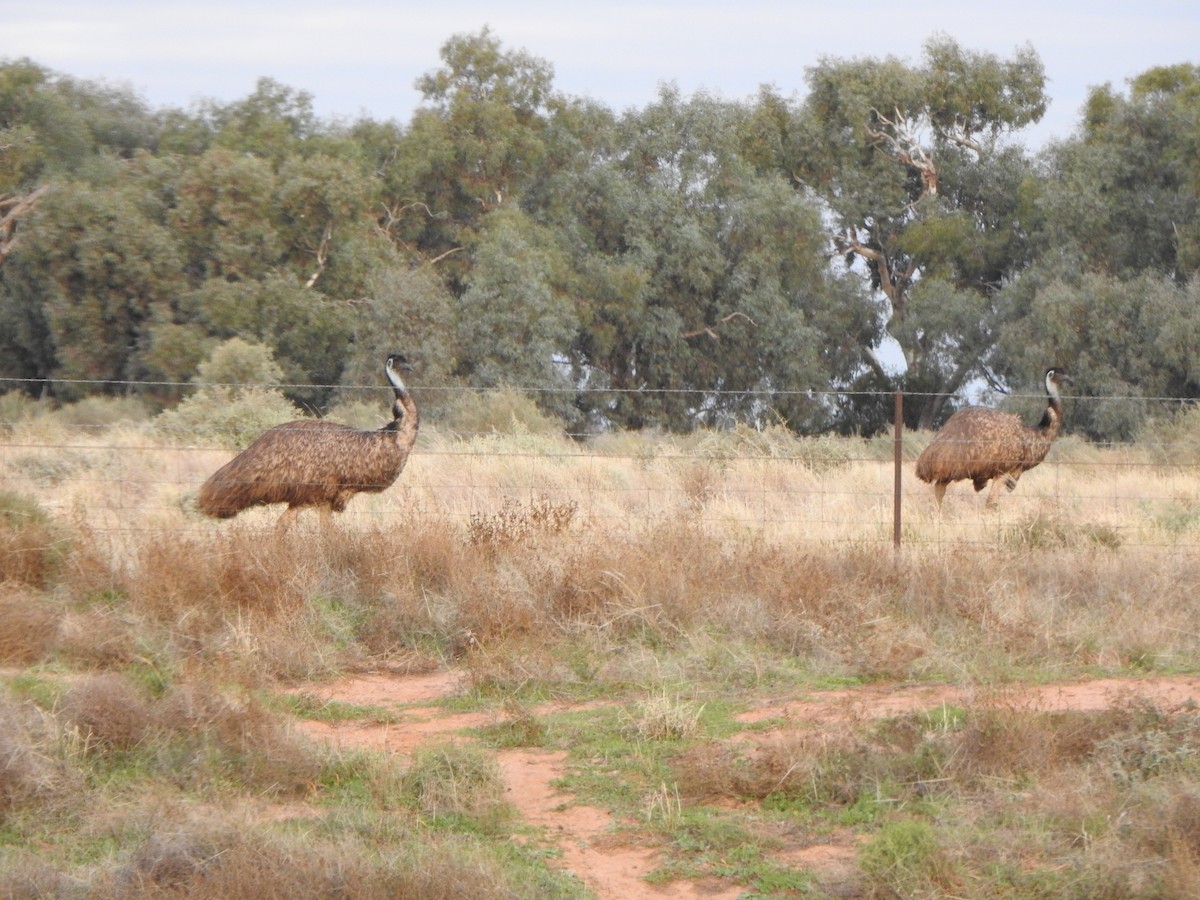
{"type": "Point", "coordinates": [696, 261]}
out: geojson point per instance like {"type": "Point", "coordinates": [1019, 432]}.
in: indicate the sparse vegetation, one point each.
{"type": "Point", "coordinates": [627, 605]}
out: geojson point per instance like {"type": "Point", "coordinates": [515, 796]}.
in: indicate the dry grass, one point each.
{"type": "Point", "coordinates": [492, 542]}
{"type": "Point", "coordinates": [142, 642]}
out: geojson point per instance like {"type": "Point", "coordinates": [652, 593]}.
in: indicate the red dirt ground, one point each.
{"type": "Point", "coordinates": [616, 870]}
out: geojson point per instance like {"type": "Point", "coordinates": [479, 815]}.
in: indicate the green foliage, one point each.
{"type": "Point", "coordinates": [904, 857]}
{"type": "Point", "coordinates": [101, 259]}
{"type": "Point", "coordinates": [1123, 192]}
{"type": "Point", "coordinates": [674, 260]}
{"type": "Point", "coordinates": [238, 397]}
{"type": "Point", "coordinates": [237, 365]}
{"type": "Point", "coordinates": [304, 330]}
{"type": "Point", "coordinates": [498, 411]}
{"type": "Point", "coordinates": [908, 160]}
{"type": "Point", "coordinates": [1121, 340]}
{"type": "Point", "coordinates": [410, 311]}
{"type": "Point", "coordinates": [513, 326]}
{"type": "Point", "coordinates": [457, 781]}
{"type": "Point", "coordinates": [94, 413]}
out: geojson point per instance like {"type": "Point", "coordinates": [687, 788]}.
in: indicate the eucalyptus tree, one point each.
{"type": "Point", "coordinates": [918, 186]}
{"type": "Point", "coordinates": [95, 272]}
{"type": "Point", "coordinates": [1113, 292]}
{"type": "Point", "coordinates": [704, 293]}
{"type": "Point", "coordinates": [52, 126]}
{"type": "Point", "coordinates": [470, 148]}
{"type": "Point", "coordinates": [1123, 193]}
{"type": "Point", "coordinates": [1135, 343]}
{"type": "Point", "coordinates": [515, 327]}
{"type": "Point", "coordinates": [273, 122]}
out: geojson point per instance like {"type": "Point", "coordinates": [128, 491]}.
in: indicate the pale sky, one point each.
{"type": "Point", "coordinates": [363, 56]}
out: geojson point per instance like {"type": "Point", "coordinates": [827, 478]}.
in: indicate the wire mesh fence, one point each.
{"type": "Point", "coordinates": [125, 473]}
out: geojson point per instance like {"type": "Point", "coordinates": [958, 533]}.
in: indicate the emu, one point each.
{"type": "Point", "coordinates": [978, 444]}
{"type": "Point", "coordinates": [316, 463]}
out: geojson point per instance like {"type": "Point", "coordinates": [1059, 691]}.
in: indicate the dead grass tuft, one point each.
{"type": "Point", "coordinates": [253, 864]}
{"type": "Point", "coordinates": [108, 712]}
{"type": "Point", "coordinates": [516, 522]}
{"type": "Point", "coordinates": [29, 625]}
{"type": "Point", "coordinates": [32, 546]}
{"type": "Point", "coordinates": [457, 780]}
{"type": "Point", "coordinates": [27, 772]}
{"type": "Point", "coordinates": [269, 754]}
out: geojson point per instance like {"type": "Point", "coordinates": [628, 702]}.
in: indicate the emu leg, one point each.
{"type": "Point", "coordinates": [1009, 483]}
{"type": "Point", "coordinates": [287, 518]}
{"type": "Point", "coordinates": [939, 491]}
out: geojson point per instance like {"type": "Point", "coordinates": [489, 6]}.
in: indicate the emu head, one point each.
{"type": "Point", "coordinates": [396, 363]}
{"type": "Point", "coordinates": [1055, 377]}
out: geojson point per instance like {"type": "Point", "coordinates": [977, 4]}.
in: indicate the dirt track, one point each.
{"type": "Point", "coordinates": [615, 870]}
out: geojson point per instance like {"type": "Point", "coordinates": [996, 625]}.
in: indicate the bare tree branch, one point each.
{"type": "Point", "coordinates": [11, 210]}
{"type": "Point", "coordinates": [904, 144]}
{"type": "Point", "coordinates": [322, 253]}
{"type": "Point", "coordinates": [437, 259]}
{"type": "Point", "coordinates": [711, 330]}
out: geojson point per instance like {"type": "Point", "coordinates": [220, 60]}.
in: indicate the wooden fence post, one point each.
{"type": "Point", "coordinates": [899, 458]}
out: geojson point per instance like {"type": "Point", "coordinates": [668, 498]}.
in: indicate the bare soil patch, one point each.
{"type": "Point", "coordinates": [583, 834]}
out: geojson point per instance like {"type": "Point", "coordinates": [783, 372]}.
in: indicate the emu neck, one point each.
{"type": "Point", "coordinates": [1052, 418]}
{"type": "Point", "coordinates": [406, 419]}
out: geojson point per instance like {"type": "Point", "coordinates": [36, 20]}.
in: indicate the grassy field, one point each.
{"type": "Point", "coordinates": [657, 588]}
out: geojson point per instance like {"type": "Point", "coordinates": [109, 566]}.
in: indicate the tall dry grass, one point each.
{"type": "Point", "coordinates": [140, 643]}
{"type": "Point", "coordinates": [533, 544]}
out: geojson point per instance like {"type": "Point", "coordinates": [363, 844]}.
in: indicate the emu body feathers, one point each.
{"type": "Point", "coordinates": [979, 445]}
{"type": "Point", "coordinates": [315, 463]}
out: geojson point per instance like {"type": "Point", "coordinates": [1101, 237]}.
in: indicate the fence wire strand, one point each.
{"type": "Point", "coordinates": [140, 476]}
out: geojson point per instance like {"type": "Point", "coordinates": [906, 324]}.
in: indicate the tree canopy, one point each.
{"type": "Point", "coordinates": [697, 261]}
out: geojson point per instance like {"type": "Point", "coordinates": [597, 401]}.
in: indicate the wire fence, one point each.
{"type": "Point", "coordinates": [135, 475]}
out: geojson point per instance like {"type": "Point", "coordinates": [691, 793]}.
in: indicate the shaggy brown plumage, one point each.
{"type": "Point", "coordinates": [979, 445]}
{"type": "Point", "coordinates": [316, 463]}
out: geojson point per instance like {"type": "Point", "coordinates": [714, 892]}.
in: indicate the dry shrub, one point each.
{"type": "Point", "coordinates": [269, 755]}
{"type": "Point", "coordinates": [193, 729]}
{"type": "Point", "coordinates": [98, 412]}
{"type": "Point", "coordinates": [498, 411]}
{"type": "Point", "coordinates": [457, 780]}
{"type": "Point", "coordinates": [237, 569]}
{"type": "Point", "coordinates": [1003, 738]}
{"type": "Point", "coordinates": [26, 875]}
{"type": "Point", "coordinates": [29, 624]}
{"type": "Point", "coordinates": [108, 712]}
{"type": "Point", "coordinates": [220, 860]}
{"type": "Point", "coordinates": [714, 770]}
{"type": "Point", "coordinates": [453, 869]}
{"type": "Point", "coordinates": [27, 773]}
{"type": "Point", "coordinates": [1182, 824]}
{"type": "Point", "coordinates": [809, 767]}
{"type": "Point", "coordinates": [505, 664]}
{"type": "Point", "coordinates": [420, 567]}
{"type": "Point", "coordinates": [1148, 742]}
{"type": "Point", "coordinates": [661, 717]}
{"type": "Point", "coordinates": [517, 522]}
{"type": "Point", "coordinates": [100, 637]}
{"type": "Point", "coordinates": [32, 547]}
